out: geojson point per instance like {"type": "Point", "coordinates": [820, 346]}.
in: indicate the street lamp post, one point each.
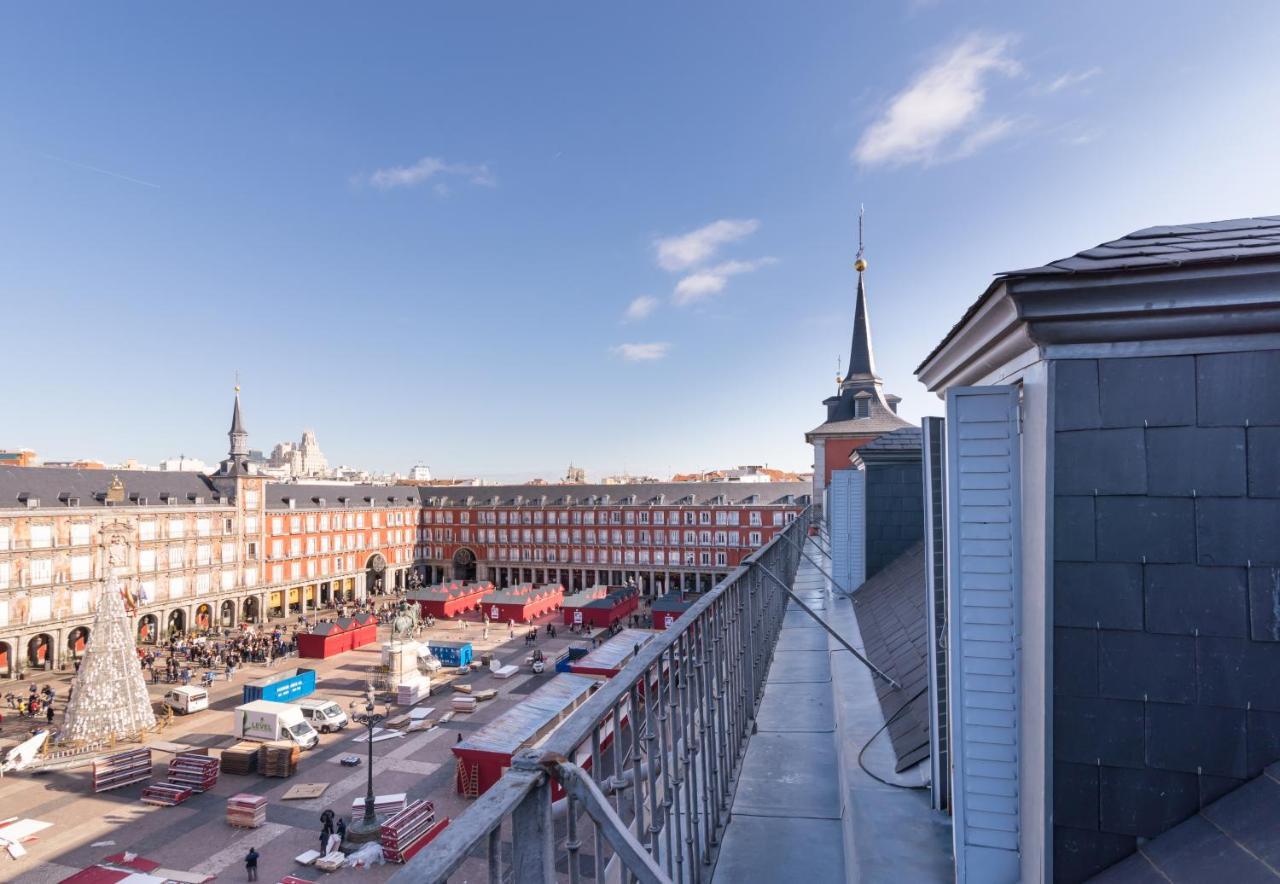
{"type": "Point", "coordinates": [367, 828]}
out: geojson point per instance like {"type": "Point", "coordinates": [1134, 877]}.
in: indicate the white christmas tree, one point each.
{"type": "Point", "coordinates": [110, 697]}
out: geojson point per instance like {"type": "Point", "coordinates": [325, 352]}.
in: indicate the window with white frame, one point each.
{"type": "Point", "coordinates": [146, 560]}
{"type": "Point", "coordinates": [80, 533]}
{"type": "Point", "coordinates": [250, 576]}
{"type": "Point", "coordinates": [40, 608]}
{"type": "Point", "coordinates": [147, 529]}
{"type": "Point", "coordinates": [6, 536]}
{"type": "Point", "coordinates": [228, 551]}
{"type": "Point", "coordinates": [228, 578]}
{"type": "Point", "coordinates": [41, 572]}
{"type": "Point", "coordinates": [177, 556]}
{"type": "Point", "coordinates": [204, 526]}
{"type": "Point", "coordinates": [251, 499]}
{"type": "Point", "coordinates": [4, 611]}
{"type": "Point", "coordinates": [81, 567]}
{"type": "Point", "coordinates": [202, 583]}
{"type": "Point", "coordinates": [177, 587]}
{"type": "Point", "coordinates": [177, 528]}
{"type": "Point", "coordinates": [41, 536]}
{"type": "Point", "coordinates": [4, 576]}
{"type": "Point", "coordinates": [204, 553]}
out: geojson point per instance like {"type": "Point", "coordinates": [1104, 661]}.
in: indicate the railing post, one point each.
{"type": "Point", "coordinates": [533, 854]}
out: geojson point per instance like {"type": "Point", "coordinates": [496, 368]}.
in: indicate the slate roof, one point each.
{"type": "Point", "coordinates": [891, 617]}
{"type": "Point", "coordinates": [1238, 239]}
{"type": "Point", "coordinates": [308, 497]}
{"type": "Point", "coordinates": [664, 493]}
{"type": "Point", "coordinates": [903, 439]}
{"type": "Point", "coordinates": [1236, 838]}
{"type": "Point", "coordinates": [90, 486]}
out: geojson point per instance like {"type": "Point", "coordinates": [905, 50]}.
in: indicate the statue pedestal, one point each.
{"type": "Point", "coordinates": [401, 660]}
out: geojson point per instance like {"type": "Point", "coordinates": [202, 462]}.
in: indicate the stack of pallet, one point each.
{"type": "Point", "coordinates": [409, 831]}
{"type": "Point", "coordinates": [197, 772]}
{"type": "Point", "coordinates": [242, 758]}
{"type": "Point", "coordinates": [412, 690]}
{"type": "Point", "coordinates": [463, 703]}
{"type": "Point", "coordinates": [121, 769]}
{"type": "Point", "coordinates": [165, 794]}
{"type": "Point", "coordinates": [383, 805]}
{"type": "Point", "coordinates": [278, 759]}
{"type": "Point", "coordinates": [245, 811]}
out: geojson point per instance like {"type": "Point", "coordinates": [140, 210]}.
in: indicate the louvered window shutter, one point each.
{"type": "Point", "coordinates": [983, 576]}
{"type": "Point", "coordinates": [848, 528]}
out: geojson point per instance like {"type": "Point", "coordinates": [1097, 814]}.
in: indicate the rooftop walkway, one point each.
{"type": "Point", "coordinates": [804, 810]}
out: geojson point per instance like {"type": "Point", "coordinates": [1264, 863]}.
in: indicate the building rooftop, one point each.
{"type": "Point", "coordinates": [58, 486]}
{"type": "Point", "coordinates": [646, 494]}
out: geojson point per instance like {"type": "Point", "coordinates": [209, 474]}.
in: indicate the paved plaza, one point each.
{"type": "Point", "coordinates": [194, 835]}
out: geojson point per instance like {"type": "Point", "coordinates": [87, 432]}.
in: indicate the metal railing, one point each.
{"type": "Point", "coordinates": [637, 783]}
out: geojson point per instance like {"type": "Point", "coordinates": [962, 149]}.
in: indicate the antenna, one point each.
{"type": "Point", "coordinates": [238, 370]}
{"type": "Point", "coordinates": [860, 263]}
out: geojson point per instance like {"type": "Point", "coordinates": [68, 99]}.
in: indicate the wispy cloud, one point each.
{"type": "Point", "coordinates": [677, 253]}
{"type": "Point", "coordinates": [940, 114]}
{"type": "Point", "coordinates": [712, 280]}
{"type": "Point", "coordinates": [640, 307]}
{"type": "Point", "coordinates": [641, 352]}
{"type": "Point", "coordinates": [426, 169]}
{"type": "Point", "coordinates": [1066, 81]}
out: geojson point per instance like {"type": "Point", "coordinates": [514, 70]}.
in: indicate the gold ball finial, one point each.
{"type": "Point", "coordinates": [860, 264]}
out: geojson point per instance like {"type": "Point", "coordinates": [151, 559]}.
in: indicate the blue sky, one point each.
{"type": "Point", "coordinates": [500, 237]}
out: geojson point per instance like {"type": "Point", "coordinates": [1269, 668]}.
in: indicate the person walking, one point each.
{"type": "Point", "coordinates": [251, 864]}
{"type": "Point", "coordinates": [48, 714]}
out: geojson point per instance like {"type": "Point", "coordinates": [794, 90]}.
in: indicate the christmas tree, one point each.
{"type": "Point", "coordinates": [110, 697]}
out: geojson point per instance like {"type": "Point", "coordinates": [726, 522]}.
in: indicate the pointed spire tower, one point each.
{"type": "Point", "coordinates": [110, 698]}
{"type": "Point", "coordinates": [862, 360]}
{"type": "Point", "coordinates": [237, 462]}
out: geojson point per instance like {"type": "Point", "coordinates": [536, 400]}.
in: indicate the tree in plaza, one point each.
{"type": "Point", "coordinates": [110, 699]}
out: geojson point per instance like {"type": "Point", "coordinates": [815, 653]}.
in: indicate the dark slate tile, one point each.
{"type": "Point", "coordinates": [1196, 738]}
{"type": "Point", "coordinates": [1205, 461]}
{"type": "Point", "coordinates": [1249, 815]}
{"type": "Point", "coordinates": [1184, 599]}
{"type": "Point", "coordinates": [1138, 665]}
{"type": "Point", "coordinates": [1091, 731]}
{"type": "Point", "coordinates": [1136, 869]}
{"type": "Point", "coordinates": [1075, 394]}
{"type": "Point", "coordinates": [1264, 739]}
{"type": "Point", "coordinates": [1075, 662]}
{"type": "Point", "coordinates": [1212, 788]}
{"type": "Point", "coordinates": [1100, 462]}
{"type": "Point", "coordinates": [1075, 795]}
{"type": "Point", "coordinates": [1073, 530]}
{"type": "Point", "coordinates": [1079, 854]}
{"type": "Point", "coordinates": [1145, 802]}
{"type": "Point", "coordinates": [1151, 529]}
{"type": "Point", "coordinates": [1197, 850]}
{"type": "Point", "coordinates": [1089, 594]}
{"type": "Point", "coordinates": [1160, 391]}
{"type": "Point", "coordinates": [1264, 461]}
{"type": "Point", "coordinates": [1264, 604]}
{"type": "Point", "coordinates": [1239, 673]}
{"type": "Point", "coordinates": [1238, 531]}
{"type": "Point", "coordinates": [1235, 388]}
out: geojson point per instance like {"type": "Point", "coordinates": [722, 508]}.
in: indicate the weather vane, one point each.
{"type": "Point", "coordinates": [860, 264]}
{"type": "Point", "coordinates": [238, 370]}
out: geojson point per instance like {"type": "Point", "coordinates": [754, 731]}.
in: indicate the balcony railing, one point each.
{"type": "Point", "coordinates": [648, 765]}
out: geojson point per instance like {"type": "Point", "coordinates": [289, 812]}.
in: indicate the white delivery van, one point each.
{"type": "Point", "coordinates": [266, 721]}
{"type": "Point", "coordinates": [185, 700]}
{"type": "Point", "coordinates": [325, 715]}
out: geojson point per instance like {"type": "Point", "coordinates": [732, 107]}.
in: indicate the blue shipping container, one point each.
{"type": "Point", "coordinates": [451, 653]}
{"type": "Point", "coordinates": [281, 687]}
{"type": "Point", "coordinates": [565, 660]}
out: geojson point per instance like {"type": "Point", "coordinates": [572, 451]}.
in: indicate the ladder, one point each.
{"type": "Point", "coordinates": [469, 779]}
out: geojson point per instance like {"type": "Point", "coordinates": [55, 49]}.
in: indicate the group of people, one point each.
{"type": "Point", "coordinates": [38, 700]}
{"type": "Point", "coordinates": [180, 656]}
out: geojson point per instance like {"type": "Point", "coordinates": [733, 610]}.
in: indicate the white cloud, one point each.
{"type": "Point", "coordinates": [1066, 81]}
{"type": "Point", "coordinates": [712, 280]}
{"type": "Point", "coordinates": [689, 249]}
{"type": "Point", "coordinates": [641, 352]}
{"type": "Point", "coordinates": [640, 307]}
{"type": "Point", "coordinates": [941, 108]}
{"type": "Point", "coordinates": [428, 168]}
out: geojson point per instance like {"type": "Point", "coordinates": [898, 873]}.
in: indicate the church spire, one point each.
{"type": "Point", "coordinates": [862, 362]}
{"type": "Point", "coordinates": [239, 437]}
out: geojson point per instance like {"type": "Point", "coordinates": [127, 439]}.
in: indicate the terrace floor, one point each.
{"type": "Point", "coordinates": [804, 809]}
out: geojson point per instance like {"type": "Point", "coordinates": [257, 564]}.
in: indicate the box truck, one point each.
{"type": "Point", "coordinates": [265, 720]}
{"type": "Point", "coordinates": [281, 687]}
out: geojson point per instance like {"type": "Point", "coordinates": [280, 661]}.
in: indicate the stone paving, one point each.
{"type": "Point", "coordinates": [195, 836]}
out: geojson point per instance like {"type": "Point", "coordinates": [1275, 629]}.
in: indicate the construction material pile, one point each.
{"type": "Point", "coordinates": [413, 689]}
{"type": "Point", "coordinates": [463, 703]}
{"type": "Point", "coordinates": [278, 759]}
{"type": "Point", "coordinates": [246, 811]}
{"type": "Point", "coordinates": [409, 831]}
{"type": "Point", "coordinates": [242, 758]}
{"type": "Point", "coordinates": [165, 794]}
{"type": "Point", "coordinates": [121, 769]}
{"type": "Point", "coordinates": [197, 772]}
{"type": "Point", "coordinates": [383, 805]}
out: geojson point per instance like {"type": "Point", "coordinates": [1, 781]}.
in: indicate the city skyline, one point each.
{"type": "Point", "coordinates": [440, 243]}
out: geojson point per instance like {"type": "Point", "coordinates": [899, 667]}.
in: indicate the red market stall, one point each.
{"type": "Point", "coordinates": [615, 653]}
{"type": "Point", "coordinates": [486, 754]}
{"type": "Point", "coordinates": [609, 605]}
{"type": "Point", "coordinates": [450, 599]}
{"type": "Point", "coordinates": [667, 609]}
{"type": "Point", "coordinates": [522, 603]}
{"type": "Point", "coordinates": [338, 636]}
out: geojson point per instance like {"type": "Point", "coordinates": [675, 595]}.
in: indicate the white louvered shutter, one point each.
{"type": "Point", "coordinates": [983, 574]}
{"type": "Point", "coordinates": [848, 494]}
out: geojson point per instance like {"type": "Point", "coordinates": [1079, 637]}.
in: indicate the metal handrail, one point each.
{"type": "Point", "coordinates": [662, 742]}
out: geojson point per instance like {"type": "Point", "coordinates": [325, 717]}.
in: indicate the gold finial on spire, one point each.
{"type": "Point", "coordinates": [860, 263]}
{"type": "Point", "coordinates": [839, 378]}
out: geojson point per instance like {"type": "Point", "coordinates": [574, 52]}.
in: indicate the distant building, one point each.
{"type": "Point", "coordinates": [629, 479]}
{"type": "Point", "coordinates": [575, 475]}
{"type": "Point", "coordinates": [301, 460]}
{"type": "Point", "coordinates": [420, 472]}
{"type": "Point", "coordinates": [750, 473]}
{"type": "Point", "coordinates": [21, 457]}
{"type": "Point", "coordinates": [76, 464]}
{"type": "Point", "coordinates": [185, 464]}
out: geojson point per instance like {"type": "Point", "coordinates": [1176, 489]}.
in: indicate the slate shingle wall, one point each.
{"type": "Point", "coordinates": [895, 512]}
{"type": "Point", "coordinates": [1166, 593]}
